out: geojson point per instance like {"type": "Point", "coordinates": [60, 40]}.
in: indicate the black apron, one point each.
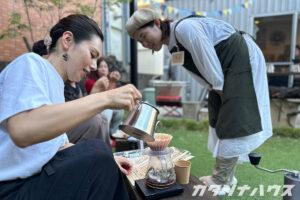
{"type": "Point", "coordinates": [236, 114]}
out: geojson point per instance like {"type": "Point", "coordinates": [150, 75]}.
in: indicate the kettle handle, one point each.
{"type": "Point", "coordinates": [139, 105]}
{"type": "Point", "coordinates": [156, 125]}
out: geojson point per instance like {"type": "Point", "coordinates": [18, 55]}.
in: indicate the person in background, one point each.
{"type": "Point", "coordinates": [230, 64]}
{"type": "Point", "coordinates": [93, 128]}
{"type": "Point", "coordinates": [36, 159]}
{"type": "Point", "coordinates": [101, 80]}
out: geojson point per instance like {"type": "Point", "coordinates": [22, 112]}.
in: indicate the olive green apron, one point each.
{"type": "Point", "coordinates": [237, 113]}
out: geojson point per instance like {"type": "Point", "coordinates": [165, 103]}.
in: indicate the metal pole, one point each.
{"type": "Point", "coordinates": [293, 45]}
{"type": "Point", "coordinates": [133, 51]}
{"type": "Point", "coordinates": [104, 10]}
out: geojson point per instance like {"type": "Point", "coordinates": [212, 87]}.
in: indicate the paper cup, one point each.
{"type": "Point", "coordinates": [182, 170]}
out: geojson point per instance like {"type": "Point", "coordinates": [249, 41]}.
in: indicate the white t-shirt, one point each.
{"type": "Point", "coordinates": [27, 83]}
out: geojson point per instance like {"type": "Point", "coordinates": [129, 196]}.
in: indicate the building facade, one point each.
{"type": "Point", "coordinates": [39, 21]}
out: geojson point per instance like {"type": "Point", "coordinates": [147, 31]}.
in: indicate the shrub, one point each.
{"type": "Point", "coordinates": [192, 125]}
{"type": "Point", "coordinates": [184, 124]}
{"type": "Point", "coordinates": [287, 132]}
{"type": "Point", "coordinates": [170, 123]}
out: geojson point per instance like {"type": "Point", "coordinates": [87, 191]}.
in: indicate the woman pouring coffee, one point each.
{"type": "Point", "coordinates": [230, 64]}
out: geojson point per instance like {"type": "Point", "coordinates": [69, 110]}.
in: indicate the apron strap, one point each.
{"type": "Point", "coordinates": [179, 46]}
{"type": "Point", "coordinates": [191, 16]}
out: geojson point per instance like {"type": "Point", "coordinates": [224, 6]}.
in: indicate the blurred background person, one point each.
{"type": "Point", "coordinates": [101, 80]}
{"type": "Point", "coordinates": [93, 128]}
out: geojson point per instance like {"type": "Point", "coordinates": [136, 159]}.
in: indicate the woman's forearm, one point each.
{"type": "Point", "coordinates": [47, 122]}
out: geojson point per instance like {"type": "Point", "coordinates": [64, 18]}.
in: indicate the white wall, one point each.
{"type": "Point", "coordinates": [114, 32]}
{"type": "Point", "coordinates": [148, 63]}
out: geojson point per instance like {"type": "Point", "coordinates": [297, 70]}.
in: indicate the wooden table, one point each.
{"type": "Point", "coordinates": [187, 194]}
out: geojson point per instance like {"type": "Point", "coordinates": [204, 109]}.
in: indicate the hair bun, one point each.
{"type": "Point", "coordinates": [40, 48]}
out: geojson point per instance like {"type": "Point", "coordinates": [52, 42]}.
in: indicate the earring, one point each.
{"type": "Point", "coordinates": [152, 52]}
{"type": "Point", "coordinates": [65, 56]}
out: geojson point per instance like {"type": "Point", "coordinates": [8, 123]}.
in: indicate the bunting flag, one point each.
{"type": "Point", "coordinates": [170, 9]}
{"type": "Point", "coordinates": [183, 13]}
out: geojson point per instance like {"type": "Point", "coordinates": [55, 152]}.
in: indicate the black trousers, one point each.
{"type": "Point", "coordinates": [84, 171]}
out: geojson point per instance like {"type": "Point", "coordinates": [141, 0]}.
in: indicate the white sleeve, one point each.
{"type": "Point", "coordinates": [194, 39]}
{"type": "Point", "coordinates": [24, 87]}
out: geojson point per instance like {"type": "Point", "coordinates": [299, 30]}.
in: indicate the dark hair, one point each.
{"type": "Point", "coordinates": [164, 27]}
{"type": "Point", "coordinates": [40, 48]}
{"type": "Point", "coordinates": [94, 74]}
{"type": "Point", "coordinates": [82, 27]}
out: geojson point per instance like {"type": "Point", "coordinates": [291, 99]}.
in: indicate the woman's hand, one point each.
{"type": "Point", "coordinates": [67, 145]}
{"type": "Point", "coordinates": [125, 97]}
{"type": "Point", "coordinates": [100, 85]}
{"type": "Point", "coordinates": [124, 164]}
{"type": "Point", "coordinates": [114, 76]}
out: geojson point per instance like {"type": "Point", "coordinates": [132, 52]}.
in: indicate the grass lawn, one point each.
{"type": "Point", "coordinates": [277, 153]}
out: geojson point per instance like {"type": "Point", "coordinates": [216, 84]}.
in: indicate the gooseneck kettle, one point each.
{"type": "Point", "coordinates": [141, 122]}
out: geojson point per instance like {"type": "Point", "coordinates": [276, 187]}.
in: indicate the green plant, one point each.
{"type": "Point", "coordinates": [49, 12]}
{"type": "Point", "coordinates": [287, 132]}
{"type": "Point", "coordinates": [184, 124]}
{"type": "Point", "coordinates": [170, 123]}
{"type": "Point", "coordinates": [192, 125]}
{"type": "Point", "coordinates": [15, 27]}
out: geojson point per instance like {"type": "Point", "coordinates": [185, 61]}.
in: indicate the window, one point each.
{"type": "Point", "coordinates": [273, 35]}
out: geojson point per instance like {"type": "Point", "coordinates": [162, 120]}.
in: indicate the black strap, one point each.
{"type": "Point", "coordinates": [191, 16]}
{"type": "Point", "coordinates": [243, 32]}
{"type": "Point", "coordinates": [181, 47]}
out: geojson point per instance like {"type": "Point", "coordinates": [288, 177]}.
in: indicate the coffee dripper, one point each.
{"type": "Point", "coordinates": [160, 171]}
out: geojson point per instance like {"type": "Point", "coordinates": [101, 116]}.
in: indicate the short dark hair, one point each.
{"type": "Point", "coordinates": [81, 26]}
{"type": "Point", "coordinates": [164, 27]}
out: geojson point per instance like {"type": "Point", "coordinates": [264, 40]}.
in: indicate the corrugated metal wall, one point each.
{"type": "Point", "coordinates": [241, 19]}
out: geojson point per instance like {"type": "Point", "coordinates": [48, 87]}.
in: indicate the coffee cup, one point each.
{"type": "Point", "coordinates": [182, 170]}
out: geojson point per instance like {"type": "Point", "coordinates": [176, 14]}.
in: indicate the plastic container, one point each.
{"type": "Point", "coordinates": [149, 95]}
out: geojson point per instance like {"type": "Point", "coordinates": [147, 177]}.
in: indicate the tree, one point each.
{"type": "Point", "coordinates": [49, 12]}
